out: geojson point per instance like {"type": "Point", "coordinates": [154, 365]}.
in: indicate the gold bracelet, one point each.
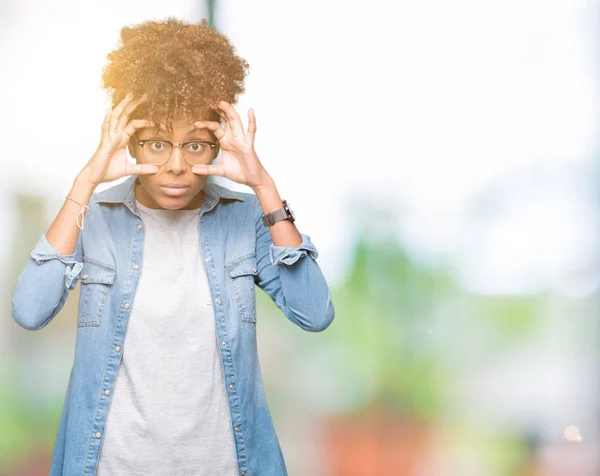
{"type": "Point", "coordinates": [84, 209]}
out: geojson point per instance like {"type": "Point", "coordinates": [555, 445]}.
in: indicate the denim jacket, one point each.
{"type": "Point", "coordinates": [238, 254]}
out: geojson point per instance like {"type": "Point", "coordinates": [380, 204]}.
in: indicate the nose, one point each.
{"type": "Point", "coordinates": [176, 163]}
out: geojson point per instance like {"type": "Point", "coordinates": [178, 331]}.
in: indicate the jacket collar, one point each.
{"type": "Point", "coordinates": [124, 192]}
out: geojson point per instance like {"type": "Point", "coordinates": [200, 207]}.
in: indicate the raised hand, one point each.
{"type": "Point", "coordinates": [110, 162]}
{"type": "Point", "coordinates": [239, 161]}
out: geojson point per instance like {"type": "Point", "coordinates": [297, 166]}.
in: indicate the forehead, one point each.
{"type": "Point", "coordinates": [181, 128]}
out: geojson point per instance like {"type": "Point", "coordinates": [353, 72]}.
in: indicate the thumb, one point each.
{"type": "Point", "coordinates": [142, 169]}
{"type": "Point", "coordinates": [209, 169]}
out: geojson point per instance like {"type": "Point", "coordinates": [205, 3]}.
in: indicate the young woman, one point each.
{"type": "Point", "coordinates": [166, 378]}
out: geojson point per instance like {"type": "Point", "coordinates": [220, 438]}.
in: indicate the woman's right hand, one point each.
{"type": "Point", "coordinates": [110, 162]}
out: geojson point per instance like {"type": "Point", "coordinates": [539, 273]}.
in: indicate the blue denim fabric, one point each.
{"type": "Point", "coordinates": [238, 253]}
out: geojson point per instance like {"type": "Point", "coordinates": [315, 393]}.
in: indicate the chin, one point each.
{"type": "Point", "coordinates": [172, 203]}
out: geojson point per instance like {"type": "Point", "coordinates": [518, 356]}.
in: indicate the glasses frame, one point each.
{"type": "Point", "coordinates": [141, 142]}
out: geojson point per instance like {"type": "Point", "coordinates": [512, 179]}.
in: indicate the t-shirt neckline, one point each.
{"type": "Point", "coordinates": [166, 211]}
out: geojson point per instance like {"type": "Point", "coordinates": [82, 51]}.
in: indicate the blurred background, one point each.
{"type": "Point", "coordinates": [442, 156]}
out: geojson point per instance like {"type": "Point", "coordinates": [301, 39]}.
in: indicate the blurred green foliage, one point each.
{"type": "Point", "coordinates": [399, 322]}
{"type": "Point", "coordinates": [385, 311]}
{"type": "Point", "coordinates": [28, 427]}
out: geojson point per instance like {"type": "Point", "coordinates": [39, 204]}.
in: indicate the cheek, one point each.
{"type": "Point", "coordinates": [148, 182]}
{"type": "Point", "coordinates": [198, 181]}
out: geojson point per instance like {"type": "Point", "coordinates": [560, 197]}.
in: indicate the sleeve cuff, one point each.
{"type": "Point", "coordinates": [71, 273]}
{"type": "Point", "coordinates": [44, 251]}
{"type": "Point", "coordinates": [289, 255]}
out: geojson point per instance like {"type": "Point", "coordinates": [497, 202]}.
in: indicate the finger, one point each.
{"type": "Point", "coordinates": [235, 122]}
{"type": "Point", "coordinates": [141, 169]}
{"type": "Point", "coordinates": [225, 141]}
{"type": "Point", "coordinates": [209, 169]}
{"type": "Point", "coordinates": [251, 127]}
{"type": "Point", "coordinates": [114, 121]}
{"type": "Point", "coordinates": [229, 134]}
{"type": "Point", "coordinates": [129, 109]}
{"type": "Point", "coordinates": [224, 121]}
{"type": "Point", "coordinates": [135, 125]}
{"type": "Point", "coordinates": [106, 123]}
{"type": "Point", "coordinates": [217, 129]}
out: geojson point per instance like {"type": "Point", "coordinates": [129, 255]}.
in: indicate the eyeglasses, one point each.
{"type": "Point", "coordinates": [158, 151]}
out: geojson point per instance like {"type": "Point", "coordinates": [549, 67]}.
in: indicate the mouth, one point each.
{"type": "Point", "coordinates": [174, 189]}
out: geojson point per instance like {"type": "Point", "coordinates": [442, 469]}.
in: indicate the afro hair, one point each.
{"type": "Point", "coordinates": [185, 69]}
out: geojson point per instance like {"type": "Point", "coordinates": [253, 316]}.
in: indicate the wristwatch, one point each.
{"type": "Point", "coordinates": [283, 213]}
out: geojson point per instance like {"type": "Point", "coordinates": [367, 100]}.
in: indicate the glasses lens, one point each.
{"type": "Point", "coordinates": [197, 152]}
{"type": "Point", "coordinates": [157, 151]}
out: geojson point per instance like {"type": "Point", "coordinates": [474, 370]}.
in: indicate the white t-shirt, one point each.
{"type": "Point", "coordinates": [169, 413]}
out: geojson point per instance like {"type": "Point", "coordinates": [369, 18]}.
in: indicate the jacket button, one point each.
{"type": "Point", "coordinates": [139, 227]}
{"type": "Point", "coordinates": [207, 259]}
{"type": "Point", "coordinates": [126, 306]}
{"type": "Point", "coordinates": [98, 435]}
{"type": "Point", "coordinates": [237, 429]}
{"type": "Point", "coordinates": [223, 344]}
{"type": "Point", "coordinates": [117, 349]}
{"type": "Point", "coordinates": [254, 270]}
{"type": "Point", "coordinates": [106, 392]}
{"type": "Point", "coordinates": [243, 473]}
{"type": "Point", "coordinates": [38, 261]}
{"type": "Point", "coordinates": [231, 387]}
{"type": "Point", "coordinates": [217, 300]}
{"type": "Point", "coordinates": [136, 266]}
{"type": "Point", "coordinates": [85, 276]}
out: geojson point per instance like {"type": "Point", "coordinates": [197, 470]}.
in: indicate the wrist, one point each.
{"type": "Point", "coordinates": [267, 184]}
{"type": "Point", "coordinates": [84, 177]}
{"type": "Point", "coordinates": [268, 197]}
{"type": "Point", "coordinates": [82, 189]}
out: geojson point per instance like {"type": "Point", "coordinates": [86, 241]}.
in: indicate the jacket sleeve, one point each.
{"type": "Point", "coordinates": [44, 284]}
{"type": "Point", "coordinates": [292, 278]}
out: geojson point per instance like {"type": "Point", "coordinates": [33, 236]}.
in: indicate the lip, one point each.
{"type": "Point", "coordinates": [174, 189]}
{"type": "Point", "coordinates": [174, 185]}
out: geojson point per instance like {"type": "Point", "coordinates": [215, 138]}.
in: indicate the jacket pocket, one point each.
{"type": "Point", "coordinates": [242, 272]}
{"type": "Point", "coordinates": [96, 280]}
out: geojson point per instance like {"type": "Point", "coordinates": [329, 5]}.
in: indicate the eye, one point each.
{"type": "Point", "coordinates": [156, 145]}
{"type": "Point", "coordinates": [196, 147]}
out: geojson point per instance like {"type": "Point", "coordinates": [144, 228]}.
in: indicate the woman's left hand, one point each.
{"type": "Point", "coordinates": [239, 161]}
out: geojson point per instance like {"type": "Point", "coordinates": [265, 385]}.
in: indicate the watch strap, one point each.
{"type": "Point", "coordinates": [277, 215]}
